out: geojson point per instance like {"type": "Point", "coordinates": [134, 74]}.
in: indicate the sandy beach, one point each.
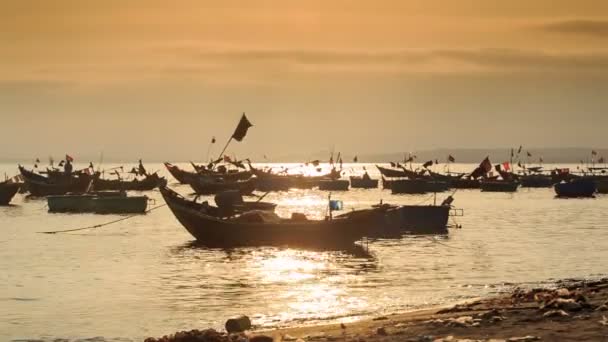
{"type": "Point", "coordinates": [572, 311]}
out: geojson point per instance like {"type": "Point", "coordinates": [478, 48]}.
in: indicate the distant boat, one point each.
{"type": "Point", "coordinates": [401, 173]}
{"type": "Point", "coordinates": [359, 182]}
{"type": "Point", "coordinates": [182, 176]}
{"type": "Point", "coordinates": [8, 191]}
{"type": "Point", "coordinates": [536, 181]}
{"type": "Point", "coordinates": [582, 187]}
{"type": "Point", "coordinates": [40, 186]}
{"type": "Point", "coordinates": [113, 202]}
{"type": "Point", "coordinates": [209, 185]}
{"type": "Point", "coordinates": [496, 185]}
{"type": "Point", "coordinates": [334, 184]}
{"type": "Point", "coordinates": [150, 182]}
{"type": "Point", "coordinates": [260, 228]}
{"type": "Point", "coordinates": [417, 186]}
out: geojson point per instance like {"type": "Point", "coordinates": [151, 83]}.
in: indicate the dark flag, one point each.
{"type": "Point", "coordinates": [393, 164]}
{"type": "Point", "coordinates": [451, 159]}
{"type": "Point", "coordinates": [91, 165]}
{"type": "Point", "coordinates": [529, 154]}
{"type": "Point", "coordinates": [37, 160]}
{"type": "Point", "coordinates": [497, 168]}
{"type": "Point", "coordinates": [213, 140]}
{"type": "Point", "coordinates": [519, 151]}
{"type": "Point", "coordinates": [512, 153]}
{"type": "Point", "coordinates": [355, 160]}
{"type": "Point", "coordinates": [484, 167]}
{"type": "Point", "coordinates": [519, 163]}
{"type": "Point", "coordinates": [427, 164]}
{"type": "Point", "coordinates": [241, 129]}
{"type": "Point", "coordinates": [593, 153]}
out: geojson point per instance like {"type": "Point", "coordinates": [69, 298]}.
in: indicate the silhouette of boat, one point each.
{"type": "Point", "coordinates": [8, 191]}
{"type": "Point", "coordinates": [111, 202]}
{"type": "Point", "coordinates": [360, 182]}
{"type": "Point", "coordinates": [498, 185]}
{"type": "Point", "coordinates": [209, 185]}
{"type": "Point", "coordinates": [150, 182]}
{"type": "Point", "coordinates": [262, 228]}
{"type": "Point", "coordinates": [582, 187]}
{"type": "Point", "coordinates": [40, 186]}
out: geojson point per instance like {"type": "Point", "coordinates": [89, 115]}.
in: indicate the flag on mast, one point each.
{"type": "Point", "coordinates": [241, 129]}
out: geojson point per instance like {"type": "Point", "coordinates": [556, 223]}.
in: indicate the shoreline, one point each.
{"type": "Point", "coordinates": [575, 310]}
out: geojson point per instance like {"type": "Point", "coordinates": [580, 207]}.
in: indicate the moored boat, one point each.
{"type": "Point", "coordinates": [417, 186]}
{"type": "Point", "coordinates": [182, 176]}
{"type": "Point", "coordinates": [333, 184]}
{"type": "Point", "coordinates": [362, 182]}
{"type": "Point", "coordinates": [536, 181]}
{"type": "Point", "coordinates": [8, 191]}
{"type": "Point", "coordinates": [258, 228]}
{"type": "Point", "coordinates": [209, 185]}
{"type": "Point", "coordinates": [497, 185]}
{"type": "Point", "coordinates": [582, 187]}
{"type": "Point", "coordinates": [40, 186]}
{"type": "Point", "coordinates": [112, 202]}
{"type": "Point", "coordinates": [150, 182]}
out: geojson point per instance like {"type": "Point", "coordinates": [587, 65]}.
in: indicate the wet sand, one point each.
{"type": "Point", "coordinates": [573, 311]}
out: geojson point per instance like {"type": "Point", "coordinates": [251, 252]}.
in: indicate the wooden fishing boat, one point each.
{"type": "Point", "coordinates": [260, 229]}
{"type": "Point", "coordinates": [536, 181]}
{"type": "Point", "coordinates": [583, 187]}
{"type": "Point", "coordinates": [8, 191]}
{"type": "Point", "coordinates": [228, 174]}
{"type": "Point", "coordinates": [150, 182]}
{"type": "Point", "coordinates": [417, 186]}
{"type": "Point", "coordinates": [40, 186]}
{"type": "Point", "coordinates": [602, 186]}
{"type": "Point", "coordinates": [333, 185]}
{"type": "Point", "coordinates": [209, 185]}
{"type": "Point", "coordinates": [359, 182]}
{"type": "Point", "coordinates": [498, 185]}
{"type": "Point", "coordinates": [465, 183]}
{"type": "Point", "coordinates": [182, 176]}
{"type": "Point", "coordinates": [111, 202]}
{"type": "Point", "coordinates": [402, 173]}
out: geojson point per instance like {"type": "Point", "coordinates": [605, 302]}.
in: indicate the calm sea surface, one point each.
{"type": "Point", "coordinates": [143, 276]}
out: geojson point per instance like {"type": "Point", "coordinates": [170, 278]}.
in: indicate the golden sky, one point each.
{"type": "Point", "coordinates": [423, 74]}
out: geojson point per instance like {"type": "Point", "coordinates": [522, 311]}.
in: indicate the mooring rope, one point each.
{"type": "Point", "coordinates": [102, 224]}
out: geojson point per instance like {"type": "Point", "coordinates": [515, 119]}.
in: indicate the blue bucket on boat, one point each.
{"type": "Point", "coordinates": [335, 205]}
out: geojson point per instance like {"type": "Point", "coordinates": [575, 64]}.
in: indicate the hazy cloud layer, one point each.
{"type": "Point", "coordinates": [596, 28]}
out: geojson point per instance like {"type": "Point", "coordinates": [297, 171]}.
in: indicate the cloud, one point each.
{"type": "Point", "coordinates": [596, 28]}
{"type": "Point", "coordinates": [431, 60]}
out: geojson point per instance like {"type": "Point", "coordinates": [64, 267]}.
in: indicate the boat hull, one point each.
{"type": "Point", "coordinates": [499, 186]}
{"type": "Point", "coordinates": [97, 204]}
{"type": "Point", "coordinates": [203, 186]}
{"type": "Point", "coordinates": [361, 183]}
{"type": "Point", "coordinates": [8, 191]}
{"type": "Point", "coordinates": [334, 185]}
{"type": "Point", "coordinates": [417, 186]}
{"type": "Point", "coordinates": [576, 188]}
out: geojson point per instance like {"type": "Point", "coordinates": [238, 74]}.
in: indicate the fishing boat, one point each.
{"type": "Point", "coordinates": [465, 183]}
{"type": "Point", "coordinates": [268, 181]}
{"type": "Point", "coordinates": [498, 185]}
{"type": "Point", "coordinates": [151, 181]}
{"type": "Point", "coordinates": [221, 170]}
{"type": "Point", "coordinates": [334, 184]}
{"type": "Point", "coordinates": [602, 186]}
{"type": "Point", "coordinates": [8, 191]}
{"type": "Point", "coordinates": [266, 228]}
{"type": "Point", "coordinates": [583, 187]}
{"type": "Point", "coordinates": [362, 182]}
{"type": "Point", "coordinates": [182, 176]}
{"type": "Point", "coordinates": [536, 181]}
{"type": "Point", "coordinates": [40, 186]}
{"type": "Point", "coordinates": [417, 186]}
{"type": "Point", "coordinates": [209, 185]}
{"type": "Point", "coordinates": [401, 173]}
{"type": "Point", "coordinates": [110, 202]}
